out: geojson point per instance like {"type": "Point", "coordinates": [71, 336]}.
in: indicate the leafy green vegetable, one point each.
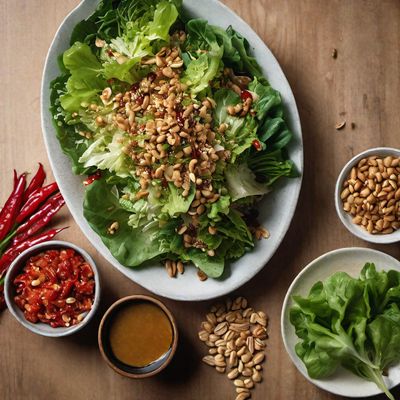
{"type": "Point", "coordinates": [241, 182]}
{"type": "Point", "coordinates": [71, 143]}
{"type": "Point", "coordinates": [269, 167]}
{"type": "Point", "coordinates": [85, 80]}
{"type": "Point", "coordinates": [204, 54]}
{"type": "Point", "coordinates": [350, 322]}
{"type": "Point", "coordinates": [241, 131]}
{"type": "Point", "coordinates": [126, 72]}
{"type": "Point", "coordinates": [176, 203]}
{"type": "Point", "coordinates": [242, 61]}
{"type": "Point", "coordinates": [131, 247]}
{"type": "Point", "coordinates": [105, 153]}
{"type": "Point", "coordinates": [211, 266]}
{"type": "Point", "coordinates": [114, 17]}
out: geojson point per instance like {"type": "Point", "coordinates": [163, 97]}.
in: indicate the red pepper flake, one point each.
{"type": "Point", "coordinates": [55, 287]}
{"type": "Point", "coordinates": [135, 87]}
{"type": "Point", "coordinates": [196, 153]}
{"type": "Point", "coordinates": [180, 118]}
{"type": "Point", "coordinates": [139, 99]}
{"type": "Point", "coordinates": [110, 81]}
{"type": "Point", "coordinates": [245, 94]}
{"type": "Point", "coordinates": [151, 77]}
{"type": "Point", "coordinates": [91, 178]}
{"type": "Point", "coordinates": [256, 144]}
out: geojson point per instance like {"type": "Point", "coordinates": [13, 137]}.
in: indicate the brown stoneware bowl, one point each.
{"type": "Point", "coordinates": [105, 346]}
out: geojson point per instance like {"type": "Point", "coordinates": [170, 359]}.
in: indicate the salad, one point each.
{"type": "Point", "coordinates": [178, 130]}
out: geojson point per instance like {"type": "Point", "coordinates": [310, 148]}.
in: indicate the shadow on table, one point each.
{"type": "Point", "coordinates": [178, 373]}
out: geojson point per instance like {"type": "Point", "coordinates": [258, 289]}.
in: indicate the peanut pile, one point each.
{"type": "Point", "coordinates": [236, 336]}
{"type": "Point", "coordinates": [371, 194]}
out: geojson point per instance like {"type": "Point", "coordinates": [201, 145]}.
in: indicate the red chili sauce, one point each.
{"type": "Point", "coordinates": [56, 287]}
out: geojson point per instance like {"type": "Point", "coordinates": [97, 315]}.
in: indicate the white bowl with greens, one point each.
{"type": "Point", "coordinates": [341, 320]}
{"type": "Point", "coordinates": [185, 134]}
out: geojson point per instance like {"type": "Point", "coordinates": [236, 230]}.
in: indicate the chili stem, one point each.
{"type": "Point", "coordinates": [4, 243]}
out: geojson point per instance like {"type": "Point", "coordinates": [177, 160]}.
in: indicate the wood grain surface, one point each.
{"type": "Point", "coordinates": [361, 86]}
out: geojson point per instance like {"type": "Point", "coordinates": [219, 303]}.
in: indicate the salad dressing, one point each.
{"type": "Point", "coordinates": [140, 333]}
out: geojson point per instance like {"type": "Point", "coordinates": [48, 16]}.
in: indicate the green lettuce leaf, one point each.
{"type": "Point", "coordinates": [176, 203]}
{"type": "Point", "coordinates": [269, 167]}
{"type": "Point", "coordinates": [201, 67]}
{"type": "Point", "coordinates": [211, 266]}
{"type": "Point", "coordinates": [241, 182]}
{"type": "Point", "coordinates": [221, 206]}
{"type": "Point", "coordinates": [85, 81]}
{"type": "Point", "coordinates": [72, 144]}
{"type": "Point", "coordinates": [241, 60]}
{"type": "Point", "coordinates": [241, 131]}
{"type": "Point", "coordinates": [106, 153]}
{"type": "Point", "coordinates": [131, 247]}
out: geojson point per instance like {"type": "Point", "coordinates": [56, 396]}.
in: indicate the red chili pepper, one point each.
{"type": "Point", "coordinates": [91, 178]}
{"type": "Point", "coordinates": [13, 252]}
{"type": "Point", "coordinates": [50, 209]}
{"type": "Point", "coordinates": [256, 144]}
{"type": "Point", "coordinates": [15, 179]}
{"type": "Point", "coordinates": [245, 94]}
{"type": "Point", "coordinates": [43, 210]}
{"type": "Point", "coordinates": [35, 199]}
{"type": "Point", "coordinates": [10, 210]}
{"type": "Point", "coordinates": [36, 182]}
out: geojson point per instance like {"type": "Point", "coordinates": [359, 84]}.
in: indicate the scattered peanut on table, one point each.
{"type": "Point", "coordinates": [236, 336]}
{"type": "Point", "coordinates": [371, 194]}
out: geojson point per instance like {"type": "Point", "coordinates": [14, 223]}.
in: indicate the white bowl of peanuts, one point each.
{"type": "Point", "coordinates": [367, 195]}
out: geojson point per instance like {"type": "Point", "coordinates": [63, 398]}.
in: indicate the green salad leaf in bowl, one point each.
{"type": "Point", "coordinates": [182, 133]}
{"type": "Point", "coordinates": [349, 322]}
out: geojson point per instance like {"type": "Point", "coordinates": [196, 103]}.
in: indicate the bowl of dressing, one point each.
{"type": "Point", "coordinates": [138, 336]}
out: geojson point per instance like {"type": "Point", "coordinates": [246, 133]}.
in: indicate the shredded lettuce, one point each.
{"type": "Point", "coordinates": [104, 153]}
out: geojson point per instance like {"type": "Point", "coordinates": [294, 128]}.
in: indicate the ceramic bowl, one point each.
{"type": "Point", "coordinates": [9, 291]}
{"type": "Point", "coordinates": [105, 348]}
{"type": "Point", "coordinates": [275, 211]}
{"type": "Point", "coordinates": [350, 260]}
{"type": "Point", "coordinates": [344, 216]}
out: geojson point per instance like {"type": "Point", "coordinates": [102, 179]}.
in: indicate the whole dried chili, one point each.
{"type": "Point", "coordinates": [47, 213]}
{"type": "Point", "coordinates": [36, 182]}
{"type": "Point", "coordinates": [10, 210]}
{"type": "Point", "coordinates": [14, 251]}
{"type": "Point", "coordinates": [35, 199]}
{"type": "Point", "coordinates": [39, 214]}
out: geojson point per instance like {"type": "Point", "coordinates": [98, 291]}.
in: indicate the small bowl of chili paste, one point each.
{"type": "Point", "coordinates": [53, 288]}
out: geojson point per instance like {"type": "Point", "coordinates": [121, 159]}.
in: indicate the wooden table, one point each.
{"type": "Point", "coordinates": [361, 86]}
